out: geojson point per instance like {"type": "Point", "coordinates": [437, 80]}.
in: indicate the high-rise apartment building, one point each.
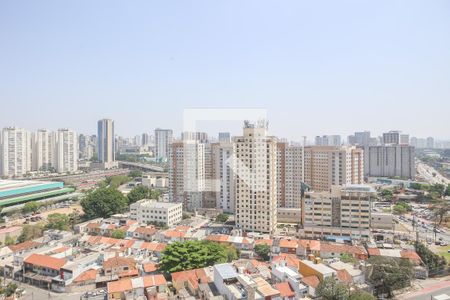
{"type": "Point", "coordinates": [430, 142]}
{"type": "Point", "coordinates": [66, 151]}
{"type": "Point", "coordinates": [145, 140]}
{"type": "Point", "coordinates": [224, 137]}
{"type": "Point", "coordinates": [223, 175]}
{"type": "Point", "coordinates": [328, 140]}
{"type": "Point", "coordinates": [43, 147]}
{"type": "Point", "coordinates": [187, 173]}
{"type": "Point", "coordinates": [163, 139]}
{"type": "Point", "coordinates": [342, 211]}
{"type": "Point", "coordinates": [15, 151]}
{"type": "Point", "coordinates": [326, 166]}
{"type": "Point", "coordinates": [404, 139]}
{"type": "Point", "coordinates": [255, 169]}
{"type": "Point", "coordinates": [390, 161]}
{"type": "Point", "coordinates": [391, 137]}
{"type": "Point", "coordinates": [86, 146]}
{"type": "Point", "coordinates": [106, 143]}
{"type": "Point", "coordinates": [289, 174]}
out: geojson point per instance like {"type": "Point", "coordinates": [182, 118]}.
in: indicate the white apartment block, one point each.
{"type": "Point", "coordinates": [66, 151]}
{"type": "Point", "coordinates": [223, 176]}
{"type": "Point", "coordinates": [163, 139]}
{"type": "Point", "coordinates": [149, 211]}
{"type": "Point", "coordinates": [343, 211]}
{"type": "Point", "coordinates": [42, 145]}
{"type": "Point", "coordinates": [255, 167]}
{"type": "Point", "coordinates": [15, 151]}
{"type": "Point", "coordinates": [326, 166]}
{"type": "Point", "coordinates": [187, 173]}
{"type": "Point", "coordinates": [289, 174]}
{"type": "Point", "coordinates": [390, 161]}
{"type": "Point", "coordinates": [328, 140]}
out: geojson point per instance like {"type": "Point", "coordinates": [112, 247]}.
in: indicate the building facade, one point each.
{"type": "Point", "coordinates": [255, 168]}
{"type": "Point", "coordinates": [66, 151]}
{"type": "Point", "coordinates": [163, 139]}
{"type": "Point", "coordinates": [343, 211]}
{"type": "Point", "coordinates": [390, 161]}
{"type": "Point", "coordinates": [15, 151]}
{"type": "Point", "coordinates": [106, 142]}
{"type": "Point", "coordinates": [151, 211]}
{"type": "Point", "coordinates": [326, 166]}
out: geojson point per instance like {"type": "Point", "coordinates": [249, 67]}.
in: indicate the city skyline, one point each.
{"type": "Point", "coordinates": [314, 67]}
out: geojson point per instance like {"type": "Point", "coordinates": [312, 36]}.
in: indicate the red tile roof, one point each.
{"type": "Point", "coordinates": [344, 276]}
{"type": "Point", "coordinates": [150, 267]}
{"type": "Point", "coordinates": [45, 261]}
{"type": "Point", "coordinates": [291, 259]}
{"type": "Point", "coordinates": [267, 242]}
{"type": "Point", "coordinates": [285, 289]}
{"type": "Point", "coordinates": [288, 244]}
{"type": "Point", "coordinates": [411, 255]}
{"type": "Point", "coordinates": [88, 275]}
{"type": "Point", "coordinates": [24, 246]}
{"type": "Point", "coordinates": [193, 276]}
{"type": "Point", "coordinates": [313, 245]}
{"type": "Point", "coordinates": [312, 281]}
{"type": "Point", "coordinates": [118, 261]}
{"type": "Point", "coordinates": [373, 251]}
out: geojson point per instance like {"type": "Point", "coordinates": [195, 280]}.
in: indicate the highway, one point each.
{"type": "Point", "coordinates": [426, 172]}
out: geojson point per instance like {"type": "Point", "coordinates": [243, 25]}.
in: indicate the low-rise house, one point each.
{"type": "Point", "coordinates": [149, 268]}
{"type": "Point", "coordinates": [146, 233]}
{"type": "Point", "coordinates": [144, 287]}
{"type": "Point", "coordinates": [288, 246]}
{"type": "Point", "coordinates": [190, 280]}
{"type": "Point", "coordinates": [282, 273]}
{"type": "Point", "coordinates": [39, 269]}
{"type": "Point", "coordinates": [409, 254]}
{"type": "Point", "coordinates": [312, 282]}
{"type": "Point", "coordinates": [348, 273]}
{"type": "Point", "coordinates": [120, 266]}
{"type": "Point", "coordinates": [308, 268]}
{"type": "Point", "coordinates": [330, 250]}
{"type": "Point", "coordinates": [286, 291]}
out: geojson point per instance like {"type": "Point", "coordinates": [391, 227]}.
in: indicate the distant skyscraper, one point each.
{"type": "Point", "coordinates": [66, 151]}
{"type": "Point", "coordinates": [163, 139]}
{"type": "Point", "coordinates": [15, 150]}
{"type": "Point", "coordinates": [256, 179]}
{"type": "Point", "coordinates": [195, 136]}
{"type": "Point", "coordinates": [222, 156]}
{"type": "Point", "coordinates": [43, 145]}
{"type": "Point", "coordinates": [391, 137]}
{"type": "Point", "coordinates": [106, 142]}
{"type": "Point", "coordinates": [430, 142]}
{"type": "Point", "coordinates": [86, 146]}
{"type": "Point", "coordinates": [328, 140]}
{"type": "Point", "coordinates": [224, 137]}
{"type": "Point", "coordinates": [362, 138]}
{"type": "Point", "coordinates": [145, 139]}
{"type": "Point", "coordinates": [404, 139]}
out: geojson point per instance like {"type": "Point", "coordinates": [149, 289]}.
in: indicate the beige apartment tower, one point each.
{"type": "Point", "coordinates": [255, 167]}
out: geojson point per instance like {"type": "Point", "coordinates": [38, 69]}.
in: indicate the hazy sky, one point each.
{"type": "Point", "coordinates": [318, 67]}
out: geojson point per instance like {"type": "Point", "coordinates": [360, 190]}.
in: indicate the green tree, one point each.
{"type": "Point", "coordinates": [58, 221]}
{"type": "Point", "coordinates": [31, 207]}
{"type": "Point", "coordinates": [263, 251]}
{"type": "Point", "coordinates": [103, 203]}
{"type": "Point", "coordinates": [9, 241]}
{"type": "Point", "coordinates": [386, 194]}
{"type": "Point", "coordinates": [348, 258]}
{"type": "Point", "coordinates": [389, 274]}
{"type": "Point", "coordinates": [401, 208]}
{"type": "Point", "coordinates": [430, 259]}
{"type": "Point", "coordinates": [142, 192]}
{"type": "Point", "coordinates": [361, 295]}
{"type": "Point", "coordinates": [30, 232]}
{"type": "Point", "coordinates": [118, 234]}
{"type": "Point", "coordinates": [331, 289]}
{"type": "Point", "coordinates": [116, 181]}
{"type": "Point", "coordinates": [440, 208]}
{"type": "Point", "coordinates": [438, 190]}
{"type": "Point", "coordinates": [135, 174]}
{"type": "Point", "coordinates": [180, 256]}
{"type": "Point", "coordinates": [222, 218]}
{"type": "Point", "coordinates": [9, 290]}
